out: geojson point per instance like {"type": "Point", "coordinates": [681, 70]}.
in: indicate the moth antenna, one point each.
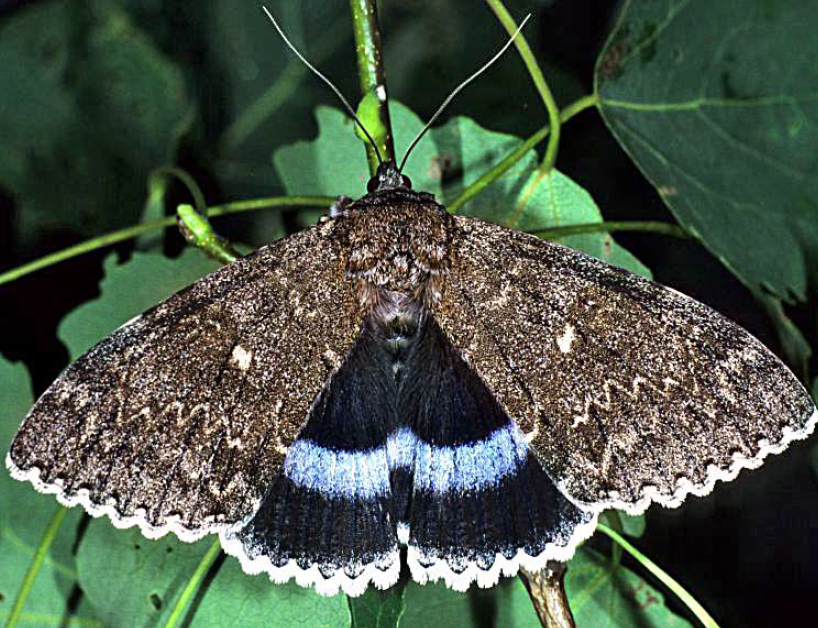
{"type": "Point", "coordinates": [337, 91]}
{"type": "Point", "coordinates": [458, 89]}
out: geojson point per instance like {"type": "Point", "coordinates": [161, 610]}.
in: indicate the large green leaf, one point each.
{"type": "Point", "coordinates": [133, 581]}
{"type": "Point", "coordinates": [717, 103]}
{"type": "Point", "coordinates": [454, 157]}
{"type": "Point", "coordinates": [129, 289]}
{"type": "Point", "coordinates": [24, 516]}
{"type": "Point", "coordinates": [603, 594]}
{"type": "Point", "coordinates": [88, 106]}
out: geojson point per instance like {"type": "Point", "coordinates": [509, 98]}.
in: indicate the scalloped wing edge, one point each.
{"type": "Point", "coordinates": [440, 570]}
{"type": "Point", "coordinates": [485, 579]}
{"type": "Point", "coordinates": [311, 576]}
{"type": "Point", "coordinates": [685, 487]}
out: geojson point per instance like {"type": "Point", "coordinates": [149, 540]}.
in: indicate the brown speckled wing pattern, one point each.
{"type": "Point", "coordinates": [627, 391]}
{"type": "Point", "coordinates": [399, 376]}
{"type": "Point", "coordinates": [179, 419]}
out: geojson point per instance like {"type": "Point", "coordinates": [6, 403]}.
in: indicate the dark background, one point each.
{"type": "Point", "coordinates": [748, 550]}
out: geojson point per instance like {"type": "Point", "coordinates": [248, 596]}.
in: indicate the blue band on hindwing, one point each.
{"type": "Point", "coordinates": [365, 474]}
{"type": "Point", "coordinates": [469, 467]}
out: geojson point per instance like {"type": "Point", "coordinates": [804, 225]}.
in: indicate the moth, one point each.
{"type": "Point", "coordinates": [399, 377]}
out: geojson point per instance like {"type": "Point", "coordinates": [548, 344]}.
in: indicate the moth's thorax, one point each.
{"type": "Point", "coordinates": [396, 244]}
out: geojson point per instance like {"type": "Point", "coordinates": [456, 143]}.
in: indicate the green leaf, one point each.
{"type": "Point", "coordinates": [88, 106]}
{"type": "Point", "coordinates": [458, 153]}
{"type": "Point", "coordinates": [133, 581]}
{"type": "Point", "coordinates": [128, 290]}
{"type": "Point", "coordinates": [600, 594]}
{"type": "Point", "coordinates": [633, 525]}
{"type": "Point", "coordinates": [505, 606]}
{"type": "Point", "coordinates": [378, 609]}
{"type": "Point", "coordinates": [551, 199]}
{"type": "Point", "coordinates": [795, 346]}
{"type": "Point", "coordinates": [24, 516]}
{"type": "Point", "coordinates": [716, 102]}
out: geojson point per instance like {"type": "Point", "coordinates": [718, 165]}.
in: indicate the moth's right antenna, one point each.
{"type": "Point", "coordinates": [457, 90]}
{"type": "Point", "coordinates": [327, 81]}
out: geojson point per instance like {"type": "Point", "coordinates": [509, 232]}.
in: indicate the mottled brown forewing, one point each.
{"type": "Point", "coordinates": [629, 391]}
{"type": "Point", "coordinates": [185, 413]}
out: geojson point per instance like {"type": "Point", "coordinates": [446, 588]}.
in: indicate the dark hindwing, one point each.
{"type": "Point", "coordinates": [327, 517]}
{"type": "Point", "coordinates": [629, 391]}
{"type": "Point", "coordinates": [480, 504]}
{"type": "Point", "coordinates": [179, 419]}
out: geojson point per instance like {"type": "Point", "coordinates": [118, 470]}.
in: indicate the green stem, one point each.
{"type": "Point", "coordinates": [687, 599]}
{"type": "Point", "coordinates": [198, 231]}
{"type": "Point", "coordinates": [188, 181]}
{"type": "Point", "coordinates": [540, 83]}
{"type": "Point", "coordinates": [279, 91]}
{"type": "Point", "coordinates": [131, 232]}
{"type": "Point", "coordinates": [34, 567]}
{"type": "Point", "coordinates": [371, 74]}
{"type": "Point", "coordinates": [193, 584]}
{"type": "Point", "coordinates": [615, 522]}
{"type": "Point", "coordinates": [518, 153]}
{"type": "Point", "coordinates": [660, 228]}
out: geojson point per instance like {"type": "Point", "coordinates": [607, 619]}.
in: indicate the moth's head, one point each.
{"type": "Point", "coordinates": [388, 177]}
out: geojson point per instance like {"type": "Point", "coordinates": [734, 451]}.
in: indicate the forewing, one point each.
{"type": "Point", "coordinates": [628, 391]}
{"type": "Point", "coordinates": [180, 418]}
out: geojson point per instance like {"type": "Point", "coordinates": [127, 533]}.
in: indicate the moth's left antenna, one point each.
{"type": "Point", "coordinates": [327, 81]}
{"type": "Point", "coordinates": [457, 90]}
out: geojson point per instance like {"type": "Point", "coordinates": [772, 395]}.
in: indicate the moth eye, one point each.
{"type": "Point", "coordinates": [406, 181]}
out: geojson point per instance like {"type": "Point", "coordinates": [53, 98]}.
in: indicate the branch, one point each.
{"type": "Point", "coordinates": [539, 82]}
{"type": "Point", "coordinates": [193, 584]}
{"type": "Point", "coordinates": [518, 153]}
{"type": "Point", "coordinates": [650, 226]}
{"type": "Point", "coordinates": [198, 231]}
{"type": "Point", "coordinates": [128, 233]}
{"type": "Point", "coordinates": [372, 78]}
{"type": "Point", "coordinates": [547, 591]}
{"type": "Point", "coordinates": [34, 567]}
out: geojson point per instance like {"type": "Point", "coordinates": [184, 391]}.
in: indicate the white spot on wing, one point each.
{"type": "Point", "coordinates": [565, 341]}
{"type": "Point", "coordinates": [242, 357]}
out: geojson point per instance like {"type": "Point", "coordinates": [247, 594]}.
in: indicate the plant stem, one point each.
{"type": "Point", "coordinates": [660, 228]}
{"type": "Point", "coordinates": [687, 599]}
{"type": "Point", "coordinates": [34, 567]}
{"type": "Point", "coordinates": [547, 591]}
{"type": "Point", "coordinates": [518, 153]}
{"type": "Point", "coordinates": [197, 230]}
{"type": "Point", "coordinates": [540, 83]}
{"type": "Point", "coordinates": [193, 584]}
{"type": "Point", "coordinates": [371, 74]}
{"type": "Point", "coordinates": [279, 91]}
{"type": "Point", "coordinates": [188, 181]}
{"type": "Point", "coordinates": [131, 232]}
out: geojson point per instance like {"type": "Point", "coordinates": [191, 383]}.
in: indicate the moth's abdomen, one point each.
{"type": "Point", "coordinates": [397, 317]}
